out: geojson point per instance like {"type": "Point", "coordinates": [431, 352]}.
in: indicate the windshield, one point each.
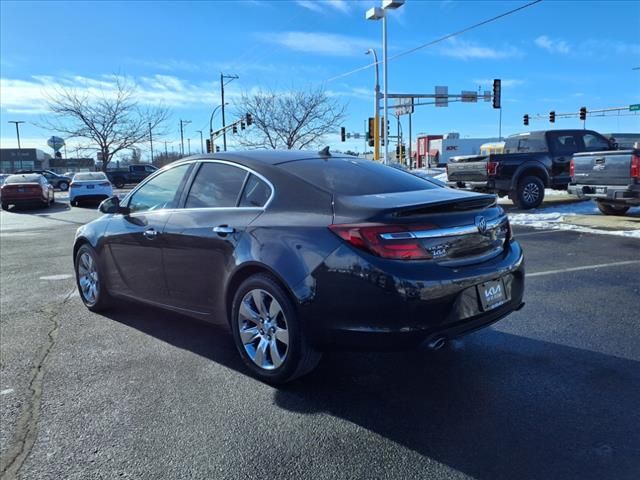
{"type": "Point", "coordinates": [27, 178]}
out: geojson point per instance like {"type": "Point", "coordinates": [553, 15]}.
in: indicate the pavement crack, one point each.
{"type": "Point", "coordinates": [27, 427]}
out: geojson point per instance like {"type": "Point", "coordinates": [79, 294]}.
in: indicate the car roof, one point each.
{"type": "Point", "coordinates": [25, 177]}
{"type": "Point", "coordinates": [264, 157]}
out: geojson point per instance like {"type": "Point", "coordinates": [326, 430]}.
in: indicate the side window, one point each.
{"type": "Point", "coordinates": [137, 168]}
{"type": "Point", "coordinates": [594, 143]}
{"type": "Point", "coordinates": [216, 185]}
{"type": "Point", "coordinates": [149, 169]}
{"type": "Point", "coordinates": [160, 192]}
{"type": "Point", "coordinates": [256, 193]}
{"type": "Point", "coordinates": [564, 144]}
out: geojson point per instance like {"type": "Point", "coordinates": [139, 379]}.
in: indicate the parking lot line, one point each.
{"type": "Point", "coordinates": [585, 267]}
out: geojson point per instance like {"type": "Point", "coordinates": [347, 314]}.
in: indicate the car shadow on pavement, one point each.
{"type": "Point", "coordinates": [56, 207]}
{"type": "Point", "coordinates": [494, 405]}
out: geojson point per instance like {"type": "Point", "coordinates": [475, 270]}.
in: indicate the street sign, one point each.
{"type": "Point", "coordinates": [356, 136]}
{"type": "Point", "coordinates": [634, 108]}
{"type": "Point", "coordinates": [442, 96]}
{"type": "Point", "coordinates": [487, 96]}
{"type": "Point", "coordinates": [404, 106]}
{"type": "Point", "coordinates": [469, 96]}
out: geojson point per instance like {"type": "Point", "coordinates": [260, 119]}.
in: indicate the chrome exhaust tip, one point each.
{"type": "Point", "coordinates": [436, 343]}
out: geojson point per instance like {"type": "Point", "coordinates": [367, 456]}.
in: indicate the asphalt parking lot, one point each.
{"type": "Point", "coordinates": [550, 392]}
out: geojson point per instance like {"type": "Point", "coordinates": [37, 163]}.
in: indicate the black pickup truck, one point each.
{"type": "Point", "coordinates": [530, 163]}
{"type": "Point", "coordinates": [612, 179]}
{"type": "Point", "coordinates": [133, 174]}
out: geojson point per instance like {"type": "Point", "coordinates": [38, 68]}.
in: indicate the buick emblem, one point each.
{"type": "Point", "coordinates": [481, 224]}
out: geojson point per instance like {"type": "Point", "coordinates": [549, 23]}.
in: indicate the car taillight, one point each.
{"type": "Point", "coordinates": [72, 185]}
{"type": "Point", "coordinates": [492, 168]}
{"type": "Point", "coordinates": [398, 242]}
{"type": "Point", "coordinates": [635, 166]}
{"type": "Point", "coordinates": [105, 184]}
{"type": "Point", "coordinates": [572, 169]}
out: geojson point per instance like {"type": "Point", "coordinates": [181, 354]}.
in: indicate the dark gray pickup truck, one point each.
{"type": "Point", "coordinates": [611, 178]}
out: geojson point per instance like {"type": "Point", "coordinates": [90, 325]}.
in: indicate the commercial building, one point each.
{"type": "Point", "coordinates": [434, 150]}
{"type": "Point", "coordinates": [13, 159]}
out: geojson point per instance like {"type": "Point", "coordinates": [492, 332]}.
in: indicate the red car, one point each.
{"type": "Point", "coordinates": [26, 189]}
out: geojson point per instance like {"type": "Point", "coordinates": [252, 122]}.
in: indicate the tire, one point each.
{"type": "Point", "coordinates": [73, 203]}
{"type": "Point", "coordinates": [5, 206]}
{"type": "Point", "coordinates": [529, 194]}
{"type": "Point", "coordinates": [611, 209]}
{"type": "Point", "coordinates": [89, 279]}
{"type": "Point", "coordinates": [64, 186]}
{"type": "Point", "coordinates": [278, 328]}
{"type": "Point", "coordinates": [118, 182]}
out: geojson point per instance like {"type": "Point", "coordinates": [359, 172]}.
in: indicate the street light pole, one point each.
{"type": "Point", "coordinates": [201, 141]}
{"type": "Point", "coordinates": [151, 141]}
{"type": "Point", "coordinates": [377, 13]}
{"type": "Point", "coordinates": [376, 108]}
{"type": "Point", "coordinates": [189, 144]}
{"type": "Point", "coordinates": [17, 122]}
{"type": "Point", "coordinates": [222, 84]}
{"type": "Point", "coordinates": [182, 124]}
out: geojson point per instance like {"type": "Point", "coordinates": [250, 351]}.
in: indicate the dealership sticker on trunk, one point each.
{"type": "Point", "coordinates": [492, 294]}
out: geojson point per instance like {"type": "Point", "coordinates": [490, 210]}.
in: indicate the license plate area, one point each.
{"type": "Point", "coordinates": [20, 190]}
{"type": "Point", "coordinates": [492, 294]}
{"type": "Point", "coordinates": [91, 187]}
{"type": "Point", "coordinates": [601, 189]}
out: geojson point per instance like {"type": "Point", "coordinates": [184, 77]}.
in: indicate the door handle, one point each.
{"type": "Point", "coordinates": [223, 230]}
{"type": "Point", "coordinates": [150, 234]}
{"type": "Point", "coordinates": [600, 160]}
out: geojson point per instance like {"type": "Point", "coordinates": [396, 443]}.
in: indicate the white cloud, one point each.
{"type": "Point", "coordinates": [320, 43]}
{"type": "Point", "coordinates": [464, 50]}
{"type": "Point", "coordinates": [30, 96]}
{"type": "Point", "coordinates": [320, 6]}
{"type": "Point", "coordinates": [551, 45]}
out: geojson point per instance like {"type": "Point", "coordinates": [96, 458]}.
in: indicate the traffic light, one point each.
{"type": "Point", "coordinates": [526, 119]}
{"type": "Point", "coordinates": [552, 116]}
{"type": "Point", "coordinates": [497, 87]}
{"type": "Point", "coordinates": [343, 134]}
{"type": "Point", "coordinates": [249, 119]}
{"type": "Point", "coordinates": [217, 148]}
{"type": "Point", "coordinates": [371, 131]}
{"type": "Point", "coordinates": [583, 113]}
{"type": "Point", "coordinates": [208, 146]}
{"type": "Point", "coordinates": [234, 129]}
{"type": "Point", "coordinates": [242, 126]}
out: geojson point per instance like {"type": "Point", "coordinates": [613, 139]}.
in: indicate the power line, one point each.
{"type": "Point", "coordinates": [433, 42]}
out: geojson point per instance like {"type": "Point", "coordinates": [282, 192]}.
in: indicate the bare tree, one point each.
{"type": "Point", "coordinates": [293, 120]}
{"type": "Point", "coordinates": [112, 120]}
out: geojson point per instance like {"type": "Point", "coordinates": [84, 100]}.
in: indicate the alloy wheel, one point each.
{"type": "Point", "coordinates": [88, 278]}
{"type": "Point", "coordinates": [263, 329]}
{"type": "Point", "coordinates": [530, 193]}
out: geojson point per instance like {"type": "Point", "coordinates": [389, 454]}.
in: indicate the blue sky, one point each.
{"type": "Point", "coordinates": [552, 56]}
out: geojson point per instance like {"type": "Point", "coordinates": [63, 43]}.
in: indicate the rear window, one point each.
{"type": "Point", "coordinates": [348, 176]}
{"type": "Point", "coordinates": [525, 144]}
{"type": "Point", "coordinates": [90, 176]}
{"type": "Point", "coordinates": [27, 178]}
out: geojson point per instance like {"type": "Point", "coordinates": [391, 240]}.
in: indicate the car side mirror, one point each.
{"type": "Point", "coordinates": [112, 205]}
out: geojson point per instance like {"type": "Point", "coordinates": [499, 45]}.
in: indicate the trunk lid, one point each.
{"type": "Point", "coordinates": [453, 227]}
{"type": "Point", "coordinates": [467, 169]}
{"type": "Point", "coordinates": [603, 168]}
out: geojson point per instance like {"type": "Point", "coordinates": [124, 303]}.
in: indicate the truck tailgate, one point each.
{"type": "Point", "coordinates": [472, 169]}
{"type": "Point", "coordinates": [603, 168]}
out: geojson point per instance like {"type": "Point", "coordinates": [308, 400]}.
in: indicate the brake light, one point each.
{"type": "Point", "coordinates": [492, 168]}
{"type": "Point", "coordinates": [369, 237]}
{"type": "Point", "coordinates": [105, 184]}
{"type": "Point", "coordinates": [572, 169]}
{"type": "Point", "coordinates": [635, 166]}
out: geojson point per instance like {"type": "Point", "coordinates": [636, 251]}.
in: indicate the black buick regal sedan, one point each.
{"type": "Point", "coordinates": [302, 252]}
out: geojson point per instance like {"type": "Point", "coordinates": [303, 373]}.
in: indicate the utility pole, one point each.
{"type": "Point", "coordinates": [182, 124]}
{"type": "Point", "coordinates": [151, 141]}
{"type": "Point", "coordinates": [189, 144]}
{"type": "Point", "coordinates": [222, 84]}
{"type": "Point", "coordinates": [201, 141]}
{"type": "Point", "coordinates": [166, 151]}
{"type": "Point", "coordinates": [410, 143]}
{"type": "Point", "coordinates": [17, 122]}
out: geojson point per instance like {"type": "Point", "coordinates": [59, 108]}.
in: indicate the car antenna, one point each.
{"type": "Point", "coordinates": [324, 152]}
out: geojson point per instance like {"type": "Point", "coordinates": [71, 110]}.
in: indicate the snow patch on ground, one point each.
{"type": "Point", "coordinates": [558, 217]}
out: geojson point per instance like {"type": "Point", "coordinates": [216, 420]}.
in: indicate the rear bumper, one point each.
{"type": "Point", "coordinates": [629, 194]}
{"type": "Point", "coordinates": [23, 200]}
{"type": "Point", "coordinates": [361, 306]}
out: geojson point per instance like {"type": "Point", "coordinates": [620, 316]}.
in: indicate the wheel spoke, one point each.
{"type": "Point", "coordinates": [249, 335]}
{"type": "Point", "coordinates": [258, 300]}
{"type": "Point", "coordinates": [276, 358]}
{"type": "Point", "coordinates": [282, 334]}
{"type": "Point", "coordinates": [248, 313]}
{"type": "Point", "coordinates": [274, 309]}
{"type": "Point", "coordinates": [261, 352]}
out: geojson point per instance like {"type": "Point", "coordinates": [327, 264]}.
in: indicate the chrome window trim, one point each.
{"type": "Point", "coordinates": [444, 232]}
{"type": "Point", "coordinates": [200, 161]}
